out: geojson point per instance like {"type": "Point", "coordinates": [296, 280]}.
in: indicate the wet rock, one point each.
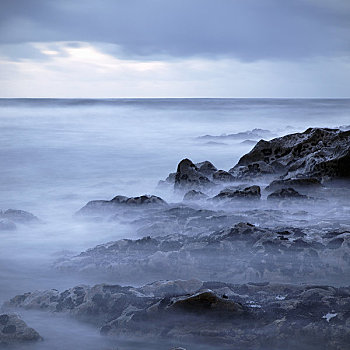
{"type": "Point", "coordinates": [188, 176]}
{"type": "Point", "coordinates": [194, 195]}
{"type": "Point", "coordinates": [286, 193]}
{"type": "Point", "coordinates": [14, 331]}
{"type": "Point", "coordinates": [316, 153]}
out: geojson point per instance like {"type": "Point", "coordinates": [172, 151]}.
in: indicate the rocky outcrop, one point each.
{"type": "Point", "coordinates": [318, 153]}
{"type": "Point", "coordinates": [243, 252]}
{"type": "Point", "coordinates": [251, 192]}
{"type": "Point", "coordinates": [249, 315]}
{"type": "Point", "coordinates": [105, 206]}
{"type": "Point", "coordinates": [14, 331]}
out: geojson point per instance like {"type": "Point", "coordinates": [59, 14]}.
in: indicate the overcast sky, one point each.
{"type": "Point", "coordinates": [174, 48]}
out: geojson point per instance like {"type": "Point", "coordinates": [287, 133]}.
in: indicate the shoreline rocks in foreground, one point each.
{"type": "Point", "coordinates": [247, 315]}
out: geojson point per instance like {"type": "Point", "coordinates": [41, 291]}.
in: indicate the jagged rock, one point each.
{"type": "Point", "coordinates": [302, 183]}
{"type": "Point", "coordinates": [194, 195]}
{"type": "Point", "coordinates": [189, 176]}
{"type": "Point", "coordinates": [13, 331]}
{"type": "Point", "coordinates": [318, 152]}
{"type": "Point", "coordinates": [104, 206]}
{"type": "Point", "coordinates": [223, 176]}
{"type": "Point", "coordinates": [18, 216]}
{"type": "Point", "coordinates": [251, 192]}
{"type": "Point", "coordinates": [286, 193]}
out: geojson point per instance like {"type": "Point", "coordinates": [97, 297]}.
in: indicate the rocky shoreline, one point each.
{"type": "Point", "coordinates": [272, 233]}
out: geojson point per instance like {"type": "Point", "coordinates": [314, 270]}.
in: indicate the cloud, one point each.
{"type": "Point", "coordinates": [83, 70]}
{"type": "Point", "coordinates": [247, 30]}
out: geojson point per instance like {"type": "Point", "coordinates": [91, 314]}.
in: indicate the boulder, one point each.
{"type": "Point", "coordinates": [286, 193]}
{"type": "Point", "coordinates": [318, 153]}
{"type": "Point", "coordinates": [251, 192]}
{"type": "Point", "coordinates": [13, 331]}
{"type": "Point", "coordinates": [205, 301]}
{"type": "Point", "coordinates": [188, 176]}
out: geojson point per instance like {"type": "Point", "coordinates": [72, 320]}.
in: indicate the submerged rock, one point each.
{"type": "Point", "coordinates": [18, 216]}
{"type": "Point", "coordinates": [105, 206]}
{"type": "Point", "coordinates": [194, 195]}
{"type": "Point", "coordinates": [286, 193]}
{"type": "Point", "coordinates": [13, 331]}
{"type": "Point", "coordinates": [318, 153]}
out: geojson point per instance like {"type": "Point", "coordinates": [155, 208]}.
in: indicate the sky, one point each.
{"type": "Point", "coordinates": [175, 48]}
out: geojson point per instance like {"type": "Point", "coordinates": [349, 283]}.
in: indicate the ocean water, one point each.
{"type": "Point", "coordinates": [58, 154]}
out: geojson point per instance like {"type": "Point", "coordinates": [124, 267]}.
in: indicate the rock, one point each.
{"type": "Point", "coordinates": [249, 315]}
{"type": "Point", "coordinates": [188, 176]}
{"type": "Point", "coordinates": [7, 225]}
{"type": "Point", "coordinates": [204, 302]}
{"type": "Point", "coordinates": [206, 168]}
{"type": "Point", "coordinates": [318, 153]}
{"type": "Point", "coordinates": [14, 331]}
{"type": "Point", "coordinates": [286, 193]}
{"type": "Point", "coordinates": [301, 183]}
{"type": "Point", "coordinates": [223, 176]}
{"type": "Point", "coordinates": [251, 192]}
{"type": "Point", "coordinates": [105, 206]}
{"type": "Point", "coordinates": [194, 195]}
{"type": "Point", "coordinates": [18, 216]}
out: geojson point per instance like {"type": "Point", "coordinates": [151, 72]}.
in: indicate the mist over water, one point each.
{"type": "Point", "coordinates": [57, 155]}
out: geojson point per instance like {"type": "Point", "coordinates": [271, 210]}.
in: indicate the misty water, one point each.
{"type": "Point", "coordinates": [56, 155]}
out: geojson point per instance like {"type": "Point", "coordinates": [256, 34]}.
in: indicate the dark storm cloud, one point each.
{"type": "Point", "coordinates": [246, 29]}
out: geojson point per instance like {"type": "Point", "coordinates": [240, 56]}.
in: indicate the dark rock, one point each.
{"type": "Point", "coordinates": [251, 192]}
{"type": "Point", "coordinates": [302, 183]}
{"type": "Point", "coordinates": [188, 176]}
{"type": "Point", "coordinates": [286, 193]}
{"type": "Point", "coordinates": [194, 195]}
{"type": "Point", "coordinates": [206, 168]}
{"type": "Point", "coordinates": [205, 301]}
{"type": "Point", "coordinates": [222, 176]}
{"type": "Point", "coordinates": [318, 152]}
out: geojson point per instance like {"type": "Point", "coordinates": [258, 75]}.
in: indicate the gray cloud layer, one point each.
{"type": "Point", "coordinates": [245, 29]}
